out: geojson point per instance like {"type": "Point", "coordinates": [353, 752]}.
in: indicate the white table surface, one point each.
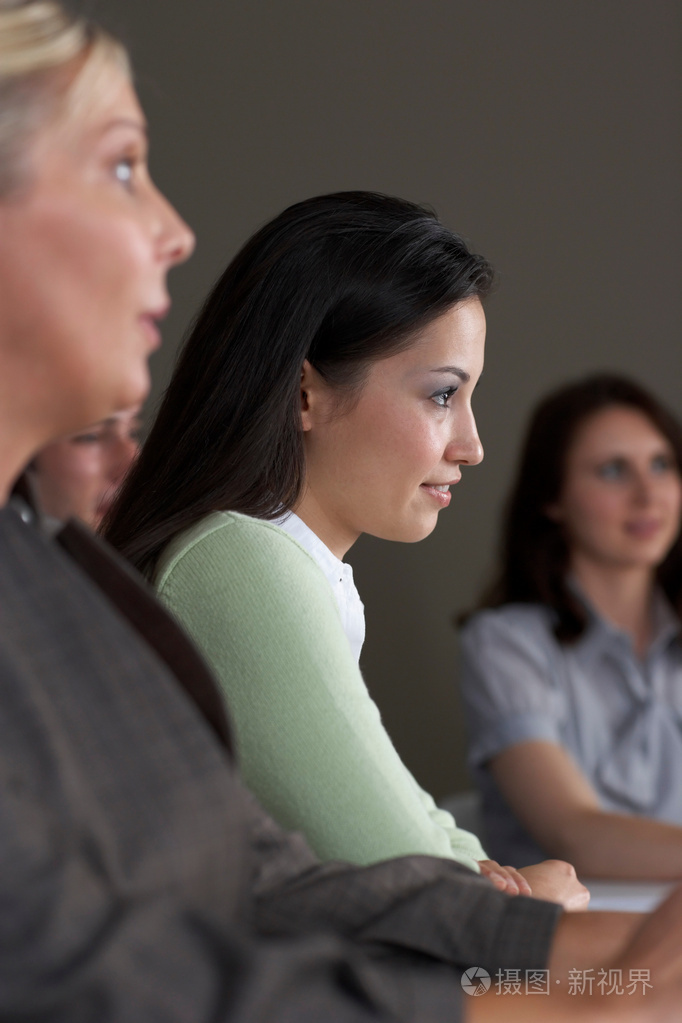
{"type": "Point", "coordinates": [627, 896]}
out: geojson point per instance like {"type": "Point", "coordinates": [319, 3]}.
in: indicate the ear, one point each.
{"type": "Point", "coordinates": [313, 396]}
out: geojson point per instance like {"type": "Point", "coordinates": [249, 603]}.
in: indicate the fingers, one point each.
{"type": "Point", "coordinates": [493, 871]}
{"type": "Point", "coordinates": [505, 879]}
{"type": "Point", "coordinates": [520, 881]}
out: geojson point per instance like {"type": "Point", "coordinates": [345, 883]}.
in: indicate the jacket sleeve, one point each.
{"type": "Point", "coordinates": [425, 904]}
{"type": "Point", "coordinates": [73, 951]}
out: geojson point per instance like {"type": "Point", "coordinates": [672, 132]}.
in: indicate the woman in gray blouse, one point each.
{"type": "Point", "coordinates": [572, 670]}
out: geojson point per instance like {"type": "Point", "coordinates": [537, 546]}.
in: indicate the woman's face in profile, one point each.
{"type": "Point", "coordinates": [85, 246]}
{"type": "Point", "coordinates": [385, 465]}
{"type": "Point", "coordinates": [622, 496]}
{"type": "Point", "coordinates": [81, 474]}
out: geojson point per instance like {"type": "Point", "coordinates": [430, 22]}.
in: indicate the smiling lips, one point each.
{"type": "Point", "coordinates": [439, 491]}
{"type": "Point", "coordinates": [642, 529]}
{"type": "Point", "coordinates": [150, 326]}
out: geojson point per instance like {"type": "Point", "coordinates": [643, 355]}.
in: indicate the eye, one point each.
{"type": "Point", "coordinates": [662, 463]}
{"type": "Point", "coordinates": [123, 170]}
{"type": "Point", "coordinates": [87, 438]}
{"type": "Point", "coordinates": [442, 397]}
{"type": "Point", "coordinates": [614, 469]}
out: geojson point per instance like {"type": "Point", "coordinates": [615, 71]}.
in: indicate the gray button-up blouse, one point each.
{"type": "Point", "coordinates": [620, 717]}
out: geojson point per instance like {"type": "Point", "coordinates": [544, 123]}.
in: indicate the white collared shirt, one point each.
{"type": "Point", "coordinates": [339, 576]}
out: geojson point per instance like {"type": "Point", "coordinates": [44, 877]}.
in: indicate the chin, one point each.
{"type": "Point", "coordinates": [413, 533]}
{"type": "Point", "coordinates": [653, 557]}
{"type": "Point", "coordinates": [649, 562]}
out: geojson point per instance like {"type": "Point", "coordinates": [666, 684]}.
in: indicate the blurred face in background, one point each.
{"type": "Point", "coordinates": [621, 499]}
{"type": "Point", "coordinates": [86, 242]}
{"type": "Point", "coordinates": [81, 474]}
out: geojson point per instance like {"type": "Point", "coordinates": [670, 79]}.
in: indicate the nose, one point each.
{"type": "Point", "coordinates": [465, 446]}
{"type": "Point", "coordinates": [175, 238]}
{"type": "Point", "coordinates": [123, 454]}
{"type": "Point", "coordinates": [644, 486]}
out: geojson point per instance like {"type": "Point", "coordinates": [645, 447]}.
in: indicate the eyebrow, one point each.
{"type": "Point", "coordinates": [127, 122]}
{"type": "Point", "coordinates": [461, 373]}
{"type": "Point", "coordinates": [113, 420]}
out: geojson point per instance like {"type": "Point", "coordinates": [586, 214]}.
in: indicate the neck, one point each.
{"type": "Point", "coordinates": [333, 534]}
{"type": "Point", "coordinates": [14, 457]}
{"type": "Point", "coordinates": [22, 431]}
{"type": "Point", "coordinates": [622, 596]}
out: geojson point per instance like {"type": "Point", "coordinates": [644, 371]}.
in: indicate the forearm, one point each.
{"type": "Point", "coordinates": [582, 941]}
{"type": "Point", "coordinates": [560, 808]}
{"type": "Point", "coordinates": [585, 941]}
{"type": "Point", "coordinates": [649, 944]}
{"type": "Point", "coordinates": [602, 844]}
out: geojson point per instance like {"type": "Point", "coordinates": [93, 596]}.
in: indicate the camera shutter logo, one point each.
{"type": "Point", "coordinates": [475, 980]}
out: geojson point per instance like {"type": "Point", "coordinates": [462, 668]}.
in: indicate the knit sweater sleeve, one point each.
{"type": "Point", "coordinates": [311, 742]}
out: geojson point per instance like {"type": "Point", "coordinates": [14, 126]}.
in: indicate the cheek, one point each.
{"type": "Point", "coordinates": [606, 508]}
{"type": "Point", "coordinates": [111, 266]}
{"type": "Point", "coordinates": [589, 509]}
{"type": "Point", "coordinates": [84, 471]}
{"type": "Point", "coordinates": [410, 451]}
{"type": "Point", "coordinates": [674, 499]}
{"type": "Point", "coordinates": [69, 308]}
{"type": "Point", "coordinates": [412, 437]}
{"type": "Point", "coordinates": [369, 439]}
{"type": "Point", "coordinates": [387, 439]}
{"type": "Point", "coordinates": [426, 454]}
{"type": "Point", "coordinates": [101, 257]}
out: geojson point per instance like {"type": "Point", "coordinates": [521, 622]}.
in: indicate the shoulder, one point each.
{"type": "Point", "coordinates": [256, 602]}
{"type": "Point", "coordinates": [517, 622]}
{"type": "Point", "coordinates": [510, 678]}
{"type": "Point", "coordinates": [226, 538]}
{"type": "Point", "coordinates": [508, 640]}
{"type": "Point", "coordinates": [233, 566]}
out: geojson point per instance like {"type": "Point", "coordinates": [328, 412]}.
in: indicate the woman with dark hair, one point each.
{"type": "Point", "coordinates": [572, 670]}
{"type": "Point", "coordinates": [324, 391]}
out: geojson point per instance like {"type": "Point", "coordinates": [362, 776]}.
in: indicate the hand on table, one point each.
{"type": "Point", "coordinates": [553, 880]}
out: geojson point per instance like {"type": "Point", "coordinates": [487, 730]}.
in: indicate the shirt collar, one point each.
{"type": "Point", "coordinates": [334, 569]}
{"type": "Point", "coordinates": [667, 627]}
{"type": "Point", "coordinates": [26, 502]}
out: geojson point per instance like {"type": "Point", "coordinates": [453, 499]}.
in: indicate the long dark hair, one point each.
{"type": "Point", "coordinates": [534, 550]}
{"type": "Point", "coordinates": [341, 280]}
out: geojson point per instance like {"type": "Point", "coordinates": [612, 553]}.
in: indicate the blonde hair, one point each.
{"type": "Point", "coordinates": [39, 44]}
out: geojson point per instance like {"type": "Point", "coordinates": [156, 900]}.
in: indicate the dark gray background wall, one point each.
{"type": "Point", "coordinates": [545, 131]}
